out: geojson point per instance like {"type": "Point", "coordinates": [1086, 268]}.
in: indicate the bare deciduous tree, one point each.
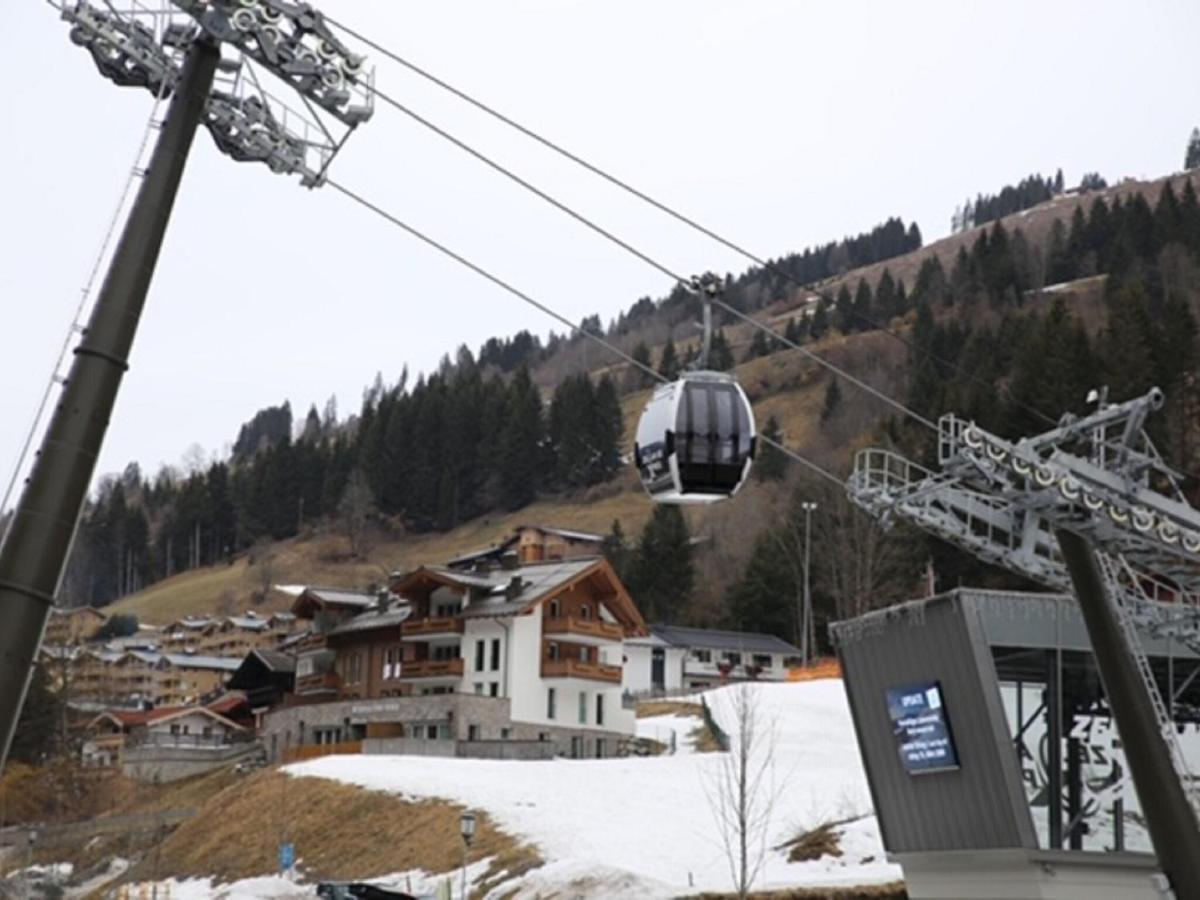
{"type": "Point", "coordinates": [741, 790]}
{"type": "Point", "coordinates": [355, 510]}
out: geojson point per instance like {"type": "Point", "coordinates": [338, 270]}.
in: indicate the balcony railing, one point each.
{"type": "Point", "coordinates": [573, 668]}
{"type": "Point", "coordinates": [592, 628]}
{"type": "Point", "coordinates": [430, 625]}
{"type": "Point", "coordinates": [432, 668]}
{"type": "Point", "coordinates": [321, 681]}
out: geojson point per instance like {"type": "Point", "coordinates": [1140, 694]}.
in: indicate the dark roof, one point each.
{"type": "Point", "coordinates": [741, 641]}
{"type": "Point", "coordinates": [567, 533]}
{"type": "Point", "coordinates": [276, 661]}
{"type": "Point", "coordinates": [372, 619]}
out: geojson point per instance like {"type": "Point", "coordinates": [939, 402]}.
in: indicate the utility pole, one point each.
{"type": "Point", "coordinates": [807, 639]}
{"type": "Point", "coordinates": [34, 553]}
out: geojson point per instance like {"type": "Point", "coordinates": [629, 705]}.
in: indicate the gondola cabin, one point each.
{"type": "Point", "coordinates": [695, 440]}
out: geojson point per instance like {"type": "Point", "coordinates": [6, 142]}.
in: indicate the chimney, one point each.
{"type": "Point", "coordinates": [515, 586]}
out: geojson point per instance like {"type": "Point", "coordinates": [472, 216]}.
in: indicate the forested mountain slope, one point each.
{"type": "Point", "coordinates": [519, 432]}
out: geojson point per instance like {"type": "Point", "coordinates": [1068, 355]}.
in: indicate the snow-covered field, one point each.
{"type": "Point", "coordinates": [644, 827]}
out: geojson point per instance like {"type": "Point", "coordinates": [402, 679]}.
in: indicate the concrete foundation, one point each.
{"type": "Point", "coordinates": [1030, 875]}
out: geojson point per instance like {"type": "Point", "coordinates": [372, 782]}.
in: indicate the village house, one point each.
{"type": "Point", "coordinates": [673, 658]}
{"type": "Point", "coordinates": [145, 677]}
{"type": "Point", "coordinates": [165, 743]}
{"type": "Point", "coordinates": [68, 627]}
{"type": "Point", "coordinates": [502, 659]}
{"type": "Point", "coordinates": [535, 543]}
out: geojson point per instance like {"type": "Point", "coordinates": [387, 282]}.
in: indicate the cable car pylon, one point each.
{"type": "Point", "coordinates": [175, 50]}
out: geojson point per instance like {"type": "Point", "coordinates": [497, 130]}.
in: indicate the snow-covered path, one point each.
{"type": "Point", "coordinates": [651, 817]}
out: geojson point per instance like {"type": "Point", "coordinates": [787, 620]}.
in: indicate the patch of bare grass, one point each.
{"type": "Point", "coordinates": [650, 708]}
{"type": "Point", "coordinates": [340, 832]}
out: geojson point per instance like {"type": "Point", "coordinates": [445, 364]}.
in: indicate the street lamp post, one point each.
{"type": "Point", "coordinates": [466, 826]}
{"type": "Point", "coordinates": [808, 638]}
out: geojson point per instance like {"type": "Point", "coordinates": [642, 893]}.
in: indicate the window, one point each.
{"type": "Point", "coordinates": [552, 650]}
{"type": "Point", "coordinates": [431, 732]}
{"type": "Point", "coordinates": [584, 653]}
{"type": "Point", "coordinates": [704, 656]}
{"type": "Point", "coordinates": [583, 707]}
{"type": "Point", "coordinates": [174, 729]}
{"type": "Point", "coordinates": [585, 612]}
{"type": "Point", "coordinates": [554, 609]}
{"type": "Point", "coordinates": [472, 732]}
{"type": "Point", "coordinates": [762, 660]}
{"type": "Point", "coordinates": [734, 659]}
{"type": "Point", "coordinates": [599, 709]}
{"type": "Point", "coordinates": [479, 687]}
{"type": "Point", "coordinates": [495, 654]}
{"type": "Point", "coordinates": [391, 663]}
{"type": "Point", "coordinates": [505, 734]}
{"type": "Point", "coordinates": [480, 649]}
{"type": "Point", "coordinates": [543, 736]}
{"type": "Point", "coordinates": [550, 703]}
{"type": "Point", "coordinates": [207, 731]}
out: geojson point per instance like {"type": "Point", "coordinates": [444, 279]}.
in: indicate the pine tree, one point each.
{"type": "Point", "coordinates": [862, 307]}
{"type": "Point", "coordinates": [758, 345]}
{"type": "Point", "coordinates": [885, 297]}
{"type": "Point", "coordinates": [520, 443]}
{"type": "Point", "coordinates": [668, 362]}
{"type": "Point", "coordinates": [819, 323]}
{"type": "Point", "coordinates": [1191, 158]}
{"type": "Point", "coordinates": [771, 464]}
{"type": "Point", "coordinates": [616, 550]}
{"type": "Point", "coordinates": [720, 358]}
{"type": "Point", "coordinates": [833, 399]}
{"type": "Point", "coordinates": [639, 377]}
{"type": "Point", "coordinates": [763, 599]}
{"type": "Point", "coordinates": [662, 575]}
{"type": "Point", "coordinates": [844, 311]}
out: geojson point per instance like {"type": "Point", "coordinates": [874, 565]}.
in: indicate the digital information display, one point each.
{"type": "Point", "coordinates": [921, 729]}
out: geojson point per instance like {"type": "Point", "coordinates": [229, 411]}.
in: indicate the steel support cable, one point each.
{"type": "Point", "coordinates": [549, 311]}
{"type": "Point", "coordinates": [663, 207]}
{"type": "Point", "coordinates": [649, 260]}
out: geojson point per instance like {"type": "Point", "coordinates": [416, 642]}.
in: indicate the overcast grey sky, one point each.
{"type": "Point", "coordinates": [782, 124]}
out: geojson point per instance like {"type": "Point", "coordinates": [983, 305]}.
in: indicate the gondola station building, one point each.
{"type": "Point", "coordinates": [503, 658]}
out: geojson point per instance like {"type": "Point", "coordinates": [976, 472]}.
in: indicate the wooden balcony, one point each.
{"type": "Point", "coordinates": [318, 683]}
{"type": "Point", "coordinates": [585, 628]}
{"type": "Point", "coordinates": [432, 668]}
{"type": "Point", "coordinates": [429, 626]}
{"type": "Point", "coordinates": [573, 668]}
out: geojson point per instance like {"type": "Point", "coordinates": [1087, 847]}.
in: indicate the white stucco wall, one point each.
{"type": "Point", "coordinates": [486, 630]}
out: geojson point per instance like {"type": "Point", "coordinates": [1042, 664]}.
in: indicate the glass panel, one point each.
{"type": "Point", "coordinates": [696, 423]}
{"type": "Point", "coordinates": [726, 424]}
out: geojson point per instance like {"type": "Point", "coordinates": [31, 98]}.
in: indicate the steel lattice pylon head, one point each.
{"type": "Point", "coordinates": [143, 46]}
{"type": "Point", "coordinates": [1098, 476]}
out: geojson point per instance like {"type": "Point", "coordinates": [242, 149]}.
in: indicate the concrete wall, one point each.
{"type": "Point", "coordinates": [638, 659]}
{"type": "Point", "coordinates": [1029, 875]}
{"type": "Point", "coordinates": [161, 764]}
{"type": "Point", "coordinates": [522, 750]}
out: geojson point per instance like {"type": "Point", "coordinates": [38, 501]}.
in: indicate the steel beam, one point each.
{"type": "Point", "coordinates": [34, 554]}
{"type": "Point", "coordinates": [1169, 816]}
